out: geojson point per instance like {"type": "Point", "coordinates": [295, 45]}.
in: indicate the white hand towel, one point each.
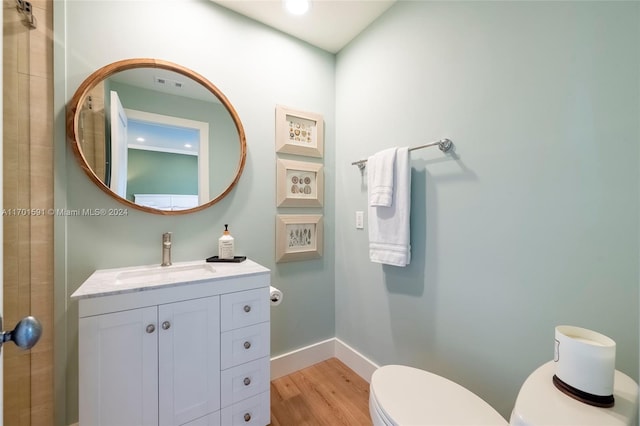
{"type": "Point", "coordinates": [389, 227]}
{"type": "Point", "coordinates": [380, 167]}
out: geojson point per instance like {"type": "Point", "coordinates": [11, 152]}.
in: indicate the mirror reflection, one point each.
{"type": "Point", "coordinates": [159, 138]}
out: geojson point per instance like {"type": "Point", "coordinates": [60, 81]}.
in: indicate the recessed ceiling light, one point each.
{"type": "Point", "coordinates": [297, 7]}
{"type": "Point", "coordinates": [187, 145]}
{"type": "Point", "coordinates": [140, 139]}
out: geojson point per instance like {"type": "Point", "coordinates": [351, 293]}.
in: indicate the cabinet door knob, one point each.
{"type": "Point", "coordinates": [247, 417]}
{"type": "Point", "coordinates": [166, 325]}
{"type": "Point", "coordinates": [247, 345]}
{"type": "Point", "coordinates": [247, 308]}
{"type": "Point", "coordinates": [151, 328]}
{"type": "Point", "coordinates": [246, 381]}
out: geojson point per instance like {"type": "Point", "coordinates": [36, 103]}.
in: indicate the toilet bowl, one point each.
{"type": "Point", "coordinates": [405, 396]}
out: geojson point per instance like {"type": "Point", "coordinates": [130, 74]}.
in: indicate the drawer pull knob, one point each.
{"type": "Point", "coordinates": [247, 308]}
{"type": "Point", "coordinates": [247, 417]}
{"type": "Point", "coordinates": [151, 328]}
{"type": "Point", "coordinates": [166, 325]}
{"type": "Point", "coordinates": [247, 345]}
{"type": "Point", "coordinates": [246, 381]}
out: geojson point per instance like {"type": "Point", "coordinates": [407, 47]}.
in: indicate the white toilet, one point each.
{"type": "Point", "coordinates": [406, 396]}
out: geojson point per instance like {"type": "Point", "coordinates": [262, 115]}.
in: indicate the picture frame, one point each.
{"type": "Point", "coordinates": [299, 237]}
{"type": "Point", "coordinates": [299, 132]}
{"type": "Point", "coordinates": [299, 184]}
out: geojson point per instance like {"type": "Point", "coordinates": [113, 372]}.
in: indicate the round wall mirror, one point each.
{"type": "Point", "coordinates": [156, 136]}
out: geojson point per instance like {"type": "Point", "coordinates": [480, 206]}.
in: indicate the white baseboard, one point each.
{"type": "Point", "coordinates": [290, 362]}
{"type": "Point", "coordinates": [293, 361]}
{"type": "Point", "coordinates": [353, 359]}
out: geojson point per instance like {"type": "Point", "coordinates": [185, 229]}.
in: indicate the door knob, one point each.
{"type": "Point", "coordinates": [25, 335]}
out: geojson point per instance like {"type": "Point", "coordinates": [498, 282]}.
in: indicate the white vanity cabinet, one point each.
{"type": "Point", "coordinates": [190, 353]}
{"type": "Point", "coordinates": [156, 365]}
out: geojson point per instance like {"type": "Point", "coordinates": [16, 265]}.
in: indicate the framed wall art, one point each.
{"type": "Point", "coordinates": [299, 133]}
{"type": "Point", "coordinates": [298, 237]}
{"type": "Point", "coordinates": [299, 184]}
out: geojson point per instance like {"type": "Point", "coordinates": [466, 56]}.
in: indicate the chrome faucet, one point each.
{"type": "Point", "coordinates": [166, 249]}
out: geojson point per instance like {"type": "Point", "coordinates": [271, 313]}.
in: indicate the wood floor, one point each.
{"type": "Point", "coordinates": [328, 393]}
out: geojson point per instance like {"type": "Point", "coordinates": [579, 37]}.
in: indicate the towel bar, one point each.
{"type": "Point", "coordinates": [445, 145]}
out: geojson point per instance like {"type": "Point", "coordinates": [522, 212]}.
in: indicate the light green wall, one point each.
{"type": "Point", "coordinates": [256, 68]}
{"type": "Point", "coordinates": [154, 172]}
{"type": "Point", "coordinates": [532, 223]}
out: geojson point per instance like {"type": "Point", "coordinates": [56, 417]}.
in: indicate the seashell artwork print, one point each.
{"type": "Point", "coordinates": [301, 131]}
{"type": "Point", "coordinates": [301, 184]}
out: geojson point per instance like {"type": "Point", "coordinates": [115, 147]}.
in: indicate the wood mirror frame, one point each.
{"type": "Point", "coordinates": [78, 100]}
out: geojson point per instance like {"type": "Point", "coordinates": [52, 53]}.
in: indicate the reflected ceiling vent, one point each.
{"type": "Point", "coordinates": [167, 82]}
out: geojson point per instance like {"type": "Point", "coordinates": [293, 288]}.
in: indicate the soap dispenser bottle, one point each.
{"type": "Point", "coordinates": [225, 245]}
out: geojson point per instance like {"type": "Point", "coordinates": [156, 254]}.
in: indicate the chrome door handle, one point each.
{"type": "Point", "coordinates": [25, 335]}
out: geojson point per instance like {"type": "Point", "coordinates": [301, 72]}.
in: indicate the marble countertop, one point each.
{"type": "Point", "coordinates": [148, 277]}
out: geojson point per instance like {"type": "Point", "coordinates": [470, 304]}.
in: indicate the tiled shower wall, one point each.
{"type": "Point", "coordinates": [27, 198]}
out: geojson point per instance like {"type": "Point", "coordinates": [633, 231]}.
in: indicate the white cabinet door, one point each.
{"type": "Point", "coordinates": [189, 360]}
{"type": "Point", "coordinates": [118, 368]}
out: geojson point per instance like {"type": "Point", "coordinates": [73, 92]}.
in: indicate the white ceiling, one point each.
{"type": "Point", "coordinates": [329, 24]}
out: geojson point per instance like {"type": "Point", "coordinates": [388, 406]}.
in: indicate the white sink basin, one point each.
{"type": "Point", "coordinates": [156, 274]}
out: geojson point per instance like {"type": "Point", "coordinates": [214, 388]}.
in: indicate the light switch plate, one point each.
{"type": "Point", "coordinates": [359, 220]}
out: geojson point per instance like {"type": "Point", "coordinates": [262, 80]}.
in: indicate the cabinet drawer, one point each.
{"type": "Point", "coordinates": [244, 308]}
{"type": "Point", "coordinates": [209, 420]}
{"type": "Point", "coordinates": [254, 411]}
{"type": "Point", "coordinates": [243, 381]}
{"type": "Point", "coordinates": [244, 345]}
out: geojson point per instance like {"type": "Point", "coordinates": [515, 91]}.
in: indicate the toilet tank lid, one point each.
{"type": "Point", "coordinates": [410, 396]}
{"type": "Point", "coordinates": [540, 403]}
